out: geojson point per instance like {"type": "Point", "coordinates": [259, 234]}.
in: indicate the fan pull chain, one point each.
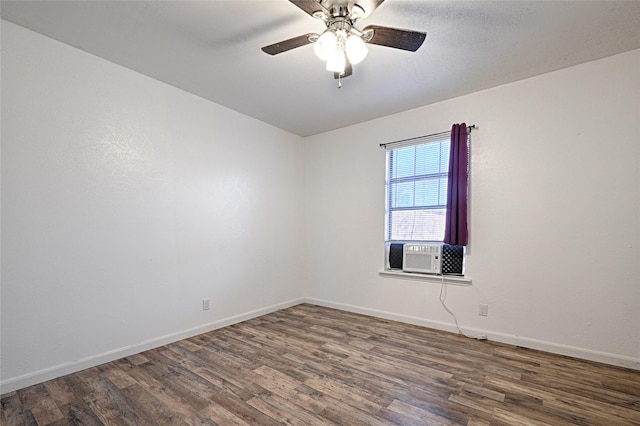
{"type": "Point", "coordinates": [339, 82]}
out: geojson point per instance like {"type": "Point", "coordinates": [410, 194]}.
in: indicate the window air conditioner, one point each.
{"type": "Point", "coordinates": [423, 258]}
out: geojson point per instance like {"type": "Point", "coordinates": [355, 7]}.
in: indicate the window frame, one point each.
{"type": "Point", "coordinates": [391, 182]}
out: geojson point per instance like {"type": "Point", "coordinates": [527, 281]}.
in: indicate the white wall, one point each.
{"type": "Point", "coordinates": [554, 214]}
{"type": "Point", "coordinates": [125, 202]}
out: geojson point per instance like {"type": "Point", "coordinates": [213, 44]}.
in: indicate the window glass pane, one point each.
{"type": "Point", "coordinates": [403, 162]}
{"type": "Point", "coordinates": [444, 156]}
{"type": "Point", "coordinates": [417, 225]}
{"type": "Point", "coordinates": [444, 184]}
{"type": "Point", "coordinates": [402, 195]}
{"type": "Point", "coordinates": [427, 191]}
{"type": "Point", "coordinates": [428, 159]}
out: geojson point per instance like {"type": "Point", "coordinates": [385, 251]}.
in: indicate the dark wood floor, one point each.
{"type": "Point", "coordinates": [309, 365]}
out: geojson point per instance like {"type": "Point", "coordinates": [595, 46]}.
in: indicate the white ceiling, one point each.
{"type": "Point", "coordinates": [212, 49]}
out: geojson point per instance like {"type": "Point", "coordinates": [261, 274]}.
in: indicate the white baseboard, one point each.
{"type": "Point", "coordinates": [92, 361]}
{"type": "Point", "coordinates": [572, 351]}
{"type": "Point", "coordinates": [50, 373]}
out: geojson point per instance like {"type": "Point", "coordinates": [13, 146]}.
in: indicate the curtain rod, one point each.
{"type": "Point", "coordinates": [384, 145]}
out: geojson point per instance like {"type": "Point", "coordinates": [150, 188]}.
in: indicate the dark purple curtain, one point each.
{"type": "Point", "coordinates": [455, 229]}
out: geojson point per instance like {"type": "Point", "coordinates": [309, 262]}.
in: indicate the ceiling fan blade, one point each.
{"type": "Point", "coordinates": [348, 70]}
{"type": "Point", "coordinates": [309, 6]}
{"type": "Point", "coordinates": [394, 37]}
{"type": "Point", "coordinates": [292, 43]}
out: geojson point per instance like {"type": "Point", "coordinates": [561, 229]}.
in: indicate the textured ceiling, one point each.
{"type": "Point", "coordinates": [212, 49]}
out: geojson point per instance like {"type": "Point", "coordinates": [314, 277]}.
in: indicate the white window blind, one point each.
{"type": "Point", "coordinates": [416, 188]}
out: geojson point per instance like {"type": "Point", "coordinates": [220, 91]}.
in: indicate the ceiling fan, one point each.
{"type": "Point", "coordinates": [342, 44]}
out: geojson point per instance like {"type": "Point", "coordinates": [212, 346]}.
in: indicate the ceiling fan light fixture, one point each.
{"type": "Point", "coordinates": [319, 14]}
{"type": "Point", "coordinates": [342, 44]}
{"type": "Point", "coordinates": [356, 49]}
{"type": "Point", "coordinates": [336, 62]}
{"type": "Point", "coordinates": [326, 45]}
{"type": "Point", "coordinates": [367, 35]}
{"type": "Point", "coordinates": [357, 12]}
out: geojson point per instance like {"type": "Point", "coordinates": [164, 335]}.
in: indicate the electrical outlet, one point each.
{"type": "Point", "coordinates": [205, 304]}
{"type": "Point", "coordinates": [483, 310]}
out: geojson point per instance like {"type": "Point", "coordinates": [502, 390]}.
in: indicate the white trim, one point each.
{"type": "Point", "coordinates": [92, 361]}
{"type": "Point", "coordinates": [555, 348]}
{"type": "Point", "coordinates": [50, 373]}
{"type": "Point", "coordinates": [464, 281]}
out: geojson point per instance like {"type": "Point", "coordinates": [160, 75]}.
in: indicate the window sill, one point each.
{"type": "Point", "coordinates": [449, 279]}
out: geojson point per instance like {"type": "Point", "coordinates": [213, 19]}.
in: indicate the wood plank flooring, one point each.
{"type": "Point", "coordinates": [309, 365]}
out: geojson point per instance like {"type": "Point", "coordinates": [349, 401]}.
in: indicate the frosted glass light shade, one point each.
{"type": "Point", "coordinates": [336, 62]}
{"type": "Point", "coordinates": [325, 45]}
{"type": "Point", "coordinates": [356, 49]}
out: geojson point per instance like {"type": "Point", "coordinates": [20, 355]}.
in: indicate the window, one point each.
{"type": "Point", "coordinates": [416, 189]}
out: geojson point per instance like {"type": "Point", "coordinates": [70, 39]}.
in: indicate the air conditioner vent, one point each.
{"type": "Point", "coordinates": [423, 258]}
